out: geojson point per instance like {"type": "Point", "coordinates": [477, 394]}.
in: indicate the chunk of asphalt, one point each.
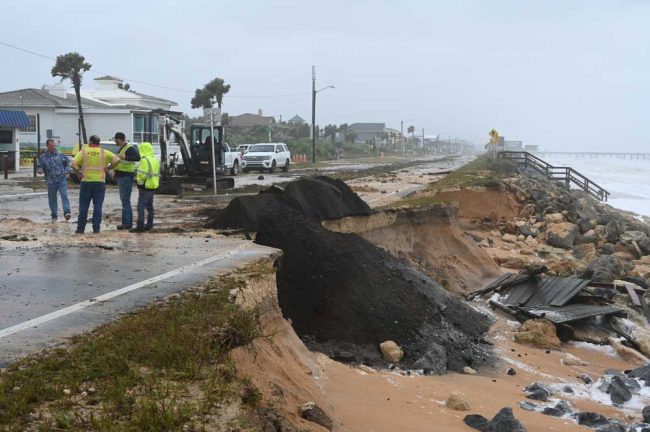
{"type": "Point", "coordinates": [528, 406]}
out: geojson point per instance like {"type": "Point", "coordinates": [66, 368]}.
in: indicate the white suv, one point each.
{"type": "Point", "coordinates": [268, 156]}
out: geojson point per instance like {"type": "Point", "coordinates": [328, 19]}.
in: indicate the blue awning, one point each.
{"type": "Point", "coordinates": [13, 119]}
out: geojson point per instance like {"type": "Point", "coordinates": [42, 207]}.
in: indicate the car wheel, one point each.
{"type": "Point", "coordinates": [235, 169]}
{"type": "Point", "coordinates": [273, 166]}
{"type": "Point", "coordinates": [285, 168]}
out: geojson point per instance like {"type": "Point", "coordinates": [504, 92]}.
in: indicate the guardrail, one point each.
{"type": "Point", "coordinates": [565, 174]}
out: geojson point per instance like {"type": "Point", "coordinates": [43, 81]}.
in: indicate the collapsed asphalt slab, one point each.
{"type": "Point", "coordinates": [345, 296]}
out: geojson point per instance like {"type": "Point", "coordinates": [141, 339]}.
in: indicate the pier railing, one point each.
{"type": "Point", "coordinates": [564, 174]}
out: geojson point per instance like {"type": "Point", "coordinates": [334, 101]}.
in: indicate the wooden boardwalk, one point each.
{"type": "Point", "coordinates": [564, 174]}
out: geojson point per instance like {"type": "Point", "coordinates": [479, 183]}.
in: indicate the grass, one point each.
{"type": "Point", "coordinates": [159, 369]}
{"type": "Point", "coordinates": [481, 172]}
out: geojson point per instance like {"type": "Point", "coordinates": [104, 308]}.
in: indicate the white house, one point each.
{"type": "Point", "coordinates": [108, 108]}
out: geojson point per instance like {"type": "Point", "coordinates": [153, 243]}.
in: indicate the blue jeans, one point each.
{"type": "Point", "coordinates": [91, 191]}
{"type": "Point", "coordinates": [145, 201]}
{"type": "Point", "coordinates": [125, 184]}
{"type": "Point", "coordinates": [60, 187]}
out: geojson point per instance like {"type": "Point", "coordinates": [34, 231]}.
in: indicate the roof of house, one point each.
{"type": "Point", "coordinates": [296, 119]}
{"type": "Point", "coordinates": [31, 97]}
{"type": "Point", "coordinates": [13, 119]}
{"type": "Point", "coordinates": [251, 120]}
{"type": "Point", "coordinates": [368, 126]}
{"type": "Point", "coordinates": [108, 78]}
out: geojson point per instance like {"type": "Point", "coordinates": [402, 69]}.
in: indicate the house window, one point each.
{"type": "Point", "coordinates": [143, 130]}
{"type": "Point", "coordinates": [32, 123]}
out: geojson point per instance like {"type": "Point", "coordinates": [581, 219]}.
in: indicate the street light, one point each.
{"type": "Point", "coordinates": [313, 111]}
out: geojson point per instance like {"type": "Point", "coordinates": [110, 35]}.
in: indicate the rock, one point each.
{"type": "Point", "coordinates": [586, 379]}
{"type": "Point", "coordinates": [554, 218]}
{"type": "Point", "coordinates": [391, 352]}
{"type": "Point", "coordinates": [313, 413]}
{"type": "Point", "coordinates": [568, 390]}
{"type": "Point", "coordinates": [590, 419]}
{"type": "Point", "coordinates": [615, 388]}
{"type": "Point", "coordinates": [511, 372]}
{"type": "Point", "coordinates": [642, 373]}
{"type": "Point", "coordinates": [562, 235]}
{"type": "Point", "coordinates": [469, 371]}
{"type": "Point", "coordinates": [476, 421]}
{"type": "Point", "coordinates": [640, 427]}
{"type": "Point", "coordinates": [613, 230]}
{"type": "Point", "coordinates": [515, 262]}
{"type": "Point", "coordinates": [645, 246]}
{"type": "Point", "coordinates": [540, 333]}
{"type": "Point", "coordinates": [604, 269]}
{"type": "Point", "coordinates": [560, 409]}
{"type": "Point", "coordinates": [585, 225]}
{"type": "Point", "coordinates": [628, 353]}
{"type": "Point", "coordinates": [571, 360]}
{"type": "Point", "coordinates": [588, 332]}
{"type": "Point", "coordinates": [607, 249]}
{"type": "Point", "coordinates": [538, 391]}
{"type": "Point", "coordinates": [509, 238]}
{"type": "Point", "coordinates": [646, 414]}
{"type": "Point", "coordinates": [434, 361]}
{"type": "Point", "coordinates": [585, 251]}
{"type": "Point", "coordinates": [457, 401]}
{"type": "Point", "coordinates": [528, 231]}
{"type": "Point", "coordinates": [613, 426]}
{"type": "Point", "coordinates": [633, 236]}
{"type": "Point", "coordinates": [504, 421]}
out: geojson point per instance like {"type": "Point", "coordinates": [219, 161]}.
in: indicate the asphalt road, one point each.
{"type": "Point", "coordinates": [50, 293]}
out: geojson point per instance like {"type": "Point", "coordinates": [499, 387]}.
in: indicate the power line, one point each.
{"type": "Point", "coordinates": [99, 72]}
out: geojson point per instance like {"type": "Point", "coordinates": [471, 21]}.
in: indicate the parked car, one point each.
{"type": "Point", "coordinates": [268, 156]}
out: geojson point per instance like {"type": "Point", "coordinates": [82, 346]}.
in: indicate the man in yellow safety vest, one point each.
{"type": "Point", "coordinates": [124, 173]}
{"type": "Point", "coordinates": [147, 178]}
{"type": "Point", "coordinates": [91, 164]}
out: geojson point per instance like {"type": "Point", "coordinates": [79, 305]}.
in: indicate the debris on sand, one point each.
{"type": "Point", "coordinates": [345, 296]}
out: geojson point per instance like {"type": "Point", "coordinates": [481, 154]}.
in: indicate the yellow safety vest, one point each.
{"type": "Point", "coordinates": [93, 166]}
{"type": "Point", "coordinates": [125, 166]}
{"type": "Point", "coordinates": [151, 175]}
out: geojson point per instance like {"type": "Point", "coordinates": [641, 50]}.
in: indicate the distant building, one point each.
{"type": "Point", "coordinates": [367, 131]}
{"type": "Point", "coordinates": [296, 120]}
{"type": "Point", "coordinates": [109, 108]}
{"type": "Point", "coordinates": [250, 120]}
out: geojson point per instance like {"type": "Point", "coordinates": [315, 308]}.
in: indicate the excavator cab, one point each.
{"type": "Point", "coordinates": [200, 139]}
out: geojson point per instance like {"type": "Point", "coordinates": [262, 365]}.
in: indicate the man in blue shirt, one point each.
{"type": "Point", "coordinates": [55, 166]}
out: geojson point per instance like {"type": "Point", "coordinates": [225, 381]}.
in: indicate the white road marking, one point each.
{"type": "Point", "coordinates": [105, 297]}
{"type": "Point", "coordinates": [23, 195]}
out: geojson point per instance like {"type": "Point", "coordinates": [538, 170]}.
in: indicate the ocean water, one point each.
{"type": "Point", "coordinates": [628, 181]}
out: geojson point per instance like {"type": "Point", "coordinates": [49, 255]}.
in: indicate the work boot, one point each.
{"type": "Point", "coordinates": [138, 229]}
{"type": "Point", "coordinates": [78, 232]}
{"type": "Point", "coordinates": [148, 227]}
{"type": "Point", "coordinates": [67, 216]}
{"type": "Point", "coordinates": [124, 227]}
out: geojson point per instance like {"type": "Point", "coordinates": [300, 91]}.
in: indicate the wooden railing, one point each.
{"type": "Point", "coordinates": [565, 174]}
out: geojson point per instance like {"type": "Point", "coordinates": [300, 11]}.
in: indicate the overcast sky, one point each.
{"type": "Point", "coordinates": [561, 74]}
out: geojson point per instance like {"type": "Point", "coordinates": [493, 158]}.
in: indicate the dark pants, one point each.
{"type": "Point", "coordinates": [125, 184]}
{"type": "Point", "coordinates": [91, 191]}
{"type": "Point", "coordinates": [61, 188]}
{"type": "Point", "coordinates": [145, 201]}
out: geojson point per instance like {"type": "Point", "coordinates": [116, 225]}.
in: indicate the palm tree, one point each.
{"type": "Point", "coordinates": [72, 66]}
{"type": "Point", "coordinates": [214, 90]}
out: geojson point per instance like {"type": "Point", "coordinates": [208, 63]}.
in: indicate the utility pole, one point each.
{"type": "Point", "coordinates": [423, 148]}
{"type": "Point", "coordinates": [313, 114]}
